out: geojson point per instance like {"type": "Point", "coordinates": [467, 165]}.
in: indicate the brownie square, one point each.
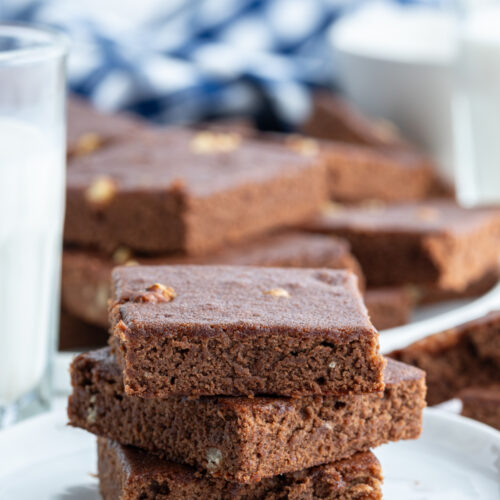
{"type": "Point", "coordinates": [335, 119]}
{"type": "Point", "coordinates": [230, 330]}
{"type": "Point", "coordinates": [361, 173]}
{"type": "Point", "coordinates": [245, 439]}
{"type": "Point", "coordinates": [455, 359]}
{"type": "Point", "coordinates": [180, 190]}
{"type": "Point", "coordinates": [127, 473]}
{"type": "Point", "coordinates": [434, 294]}
{"type": "Point", "coordinates": [86, 274]}
{"type": "Point", "coordinates": [389, 307]}
{"type": "Point", "coordinates": [90, 130]}
{"type": "Point", "coordinates": [434, 242]}
{"type": "Point", "coordinates": [482, 404]}
{"type": "Point", "coordinates": [76, 335]}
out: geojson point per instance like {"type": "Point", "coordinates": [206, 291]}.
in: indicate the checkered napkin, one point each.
{"type": "Point", "coordinates": [182, 61]}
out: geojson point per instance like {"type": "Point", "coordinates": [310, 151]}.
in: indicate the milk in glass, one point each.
{"type": "Point", "coordinates": [31, 212]}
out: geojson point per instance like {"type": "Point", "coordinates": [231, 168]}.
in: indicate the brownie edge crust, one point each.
{"type": "Point", "coordinates": [130, 474]}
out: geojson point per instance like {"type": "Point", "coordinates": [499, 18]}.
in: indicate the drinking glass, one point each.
{"type": "Point", "coordinates": [32, 186]}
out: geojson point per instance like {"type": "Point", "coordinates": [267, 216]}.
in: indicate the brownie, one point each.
{"type": "Point", "coordinates": [465, 356]}
{"type": "Point", "coordinates": [127, 473]}
{"type": "Point", "coordinates": [435, 294]}
{"type": "Point", "coordinates": [389, 307]}
{"type": "Point", "coordinates": [361, 173]}
{"type": "Point", "coordinates": [181, 190]}
{"type": "Point", "coordinates": [232, 330]}
{"type": "Point", "coordinates": [433, 243]}
{"type": "Point", "coordinates": [90, 130]}
{"type": "Point", "coordinates": [357, 173]}
{"type": "Point", "coordinates": [86, 274]}
{"type": "Point", "coordinates": [483, 404]}
{"type": "Point", "coordinates": [333, 118]}
{"type": "Point", "coordinates": [245, 439]}
{"type": "Point", "coordinates": [76, 335]}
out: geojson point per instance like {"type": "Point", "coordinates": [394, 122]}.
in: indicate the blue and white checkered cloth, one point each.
{"type": "Point", "coordinates": [182, 61]}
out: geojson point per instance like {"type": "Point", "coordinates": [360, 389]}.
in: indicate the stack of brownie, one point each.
{"type": "Point", "coordinates": [241, 382]}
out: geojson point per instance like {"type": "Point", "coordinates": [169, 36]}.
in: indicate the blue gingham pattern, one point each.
{"type": "Point", "coordinates": [182, 61]}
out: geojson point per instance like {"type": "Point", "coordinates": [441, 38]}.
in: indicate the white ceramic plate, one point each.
{"type": "Point", "coordinates": [455, 458]}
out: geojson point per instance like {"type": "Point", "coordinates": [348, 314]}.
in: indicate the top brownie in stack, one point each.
{"type": "Point", "coordinates": [86, 275]}
{"type": "Point", "coordinates": [210, 330]}
{"type": "Point", "coordinates": [177, 190]}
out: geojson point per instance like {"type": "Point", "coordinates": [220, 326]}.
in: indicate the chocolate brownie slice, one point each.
{"type": "Point", "coordinates": [76, 335]}
{"type": "Point", "coordinates": [127, 473]}
{"type": "Point", "coordinates": [90, 130]}
{"type": "Point", "coordinates": [230, 330]}
{"type": "Point", "coordinates": [86, 274]}
{"type": "Point", "coordinates": [180, 190]}
{"type": "Point", "coordinates": [483, 404]}
{"type": "Point", "coordinates": [335, 119]}
{"type": "Point", "coordinates": [433, 242]}
{"type": "Point", "coordinates": [245, 439]}
{"type": "Point", "coordinates": [465, 356]}
{"type": "Point", "coordinates": [434, 294]}
{"type": "Point", "coordinates": [360, 173]}
{"type": "Point", "coordinates": [389, 307]}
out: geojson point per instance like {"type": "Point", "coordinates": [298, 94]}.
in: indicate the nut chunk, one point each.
{"type": "Point", "coordinates": [243, 331]}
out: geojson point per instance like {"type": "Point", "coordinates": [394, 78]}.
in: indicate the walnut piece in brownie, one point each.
{"type": "Point", "coordinates": [180, 190]}
{"type": "Point", "coordinates": [434, 242]}
{"type": "Point", "coordinates": [86, 274]}
{"type": "Point", "coordinates": [127, 473]}
{"type": "Point", "coordinates": [90, 130]}
{"type": "Point", "coordinates": [245, 439]}
{"type": "Point", "coordinates": [483, 404]}
{"type": "Point", "coordinates": [465, 356]}
{"type": "Point", "coordinates": [229, 332]}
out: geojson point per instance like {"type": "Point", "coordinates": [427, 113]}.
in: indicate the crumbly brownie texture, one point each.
{"type": "Point", "coordinates": [483, 404]}
{"type": "Point", "coordinates": [434, 242]}
{"type": "Point", "coordinates": [130, 474]}
{"type": "Point", "coordinates": [86, 274]}
{"type": "Point", "coordinates": [180, 190]}
{"type": "Point", "coordinates": [389, 307]}
{"type": "Point", "coordinates": [229, 330]}
{"type": "Point", "coordinates": [455, 359]}
{"type": "Point", "coordinates": [90, 130]}
{"type": "Point", "coordinates": [334, 119]}
{"type": "Point", "coordinates": [245, 439]}
{"type": "Point", "coordinates": [76, 335]}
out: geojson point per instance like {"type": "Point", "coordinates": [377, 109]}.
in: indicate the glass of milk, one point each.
{"type": "Point", "coordinates": [477, 103]}
{"type": "Point", "coordinates": [32, 186]}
